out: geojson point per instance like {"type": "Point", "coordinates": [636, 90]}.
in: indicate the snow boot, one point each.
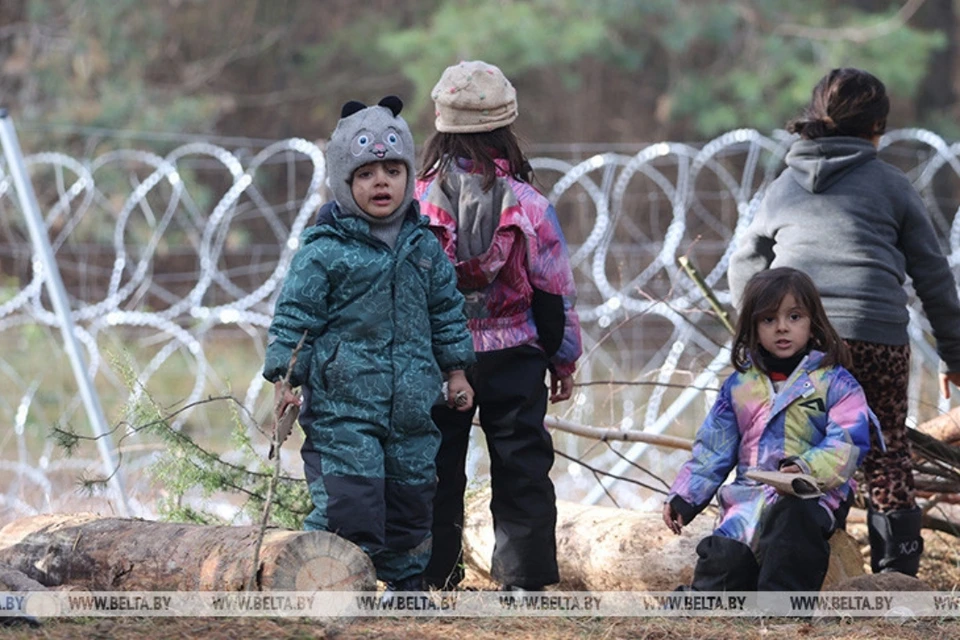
{"type": "Point", "coordinates": [895, 542]}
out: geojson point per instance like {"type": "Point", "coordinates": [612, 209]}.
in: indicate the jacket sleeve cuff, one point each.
{"type": "Point", "coordinates": [797, 460]}
{"type": "Point", "coordinates": [563, 369]}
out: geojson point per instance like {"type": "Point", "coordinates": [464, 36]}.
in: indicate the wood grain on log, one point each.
{"type": "Point", "coordinates": [119, 554]}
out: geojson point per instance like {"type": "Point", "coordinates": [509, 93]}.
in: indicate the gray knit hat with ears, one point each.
{"type": "Point", "coordinates": [364, 135]}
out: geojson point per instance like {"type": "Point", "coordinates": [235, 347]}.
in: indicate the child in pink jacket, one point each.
{"type": "Point", "coordinates": [513, 269]}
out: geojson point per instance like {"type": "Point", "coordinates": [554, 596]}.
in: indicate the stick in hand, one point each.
{"type": "Point", "coordinates": [284, 420]}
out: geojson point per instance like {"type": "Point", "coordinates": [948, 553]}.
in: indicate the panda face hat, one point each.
{"type": "Point", "coordinates": [364, 135]}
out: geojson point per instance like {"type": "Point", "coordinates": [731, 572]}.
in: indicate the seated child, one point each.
{"type": "Point", "coordinates": [789, 406]}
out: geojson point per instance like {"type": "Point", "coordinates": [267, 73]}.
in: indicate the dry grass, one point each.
{"type": "Point", "coordinates": [492, 629]}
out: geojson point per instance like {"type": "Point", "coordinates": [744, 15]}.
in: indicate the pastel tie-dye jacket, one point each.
{"type": "Point", "coordinates": [507, 247]}
{"type": "Point", "coordinates": [819, 420]}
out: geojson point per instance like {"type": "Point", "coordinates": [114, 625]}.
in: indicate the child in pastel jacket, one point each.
{"type": "Point", "coordinates": [378, 300]}
{"type": "Point", "coordinates": [789, 406]}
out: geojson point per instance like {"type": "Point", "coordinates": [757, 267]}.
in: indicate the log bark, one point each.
{"type": "Point", "coordinates": [945, 427]}
{"type": "Point", "coordinates": [119, 554]}
{"type": "Point", "coordinates": [609, 549]}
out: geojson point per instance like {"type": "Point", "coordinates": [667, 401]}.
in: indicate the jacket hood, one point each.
{"type": "Point", "coordinates": [817, 164]}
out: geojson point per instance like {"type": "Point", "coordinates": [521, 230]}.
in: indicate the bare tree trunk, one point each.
{"type": "Point", "coordinates": [937, 91]}
{"type": "Point", "coordinates": [117, 554]}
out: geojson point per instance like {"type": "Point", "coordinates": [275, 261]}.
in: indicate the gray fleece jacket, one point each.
{"type": "Point", "coordinates": [857, 227]}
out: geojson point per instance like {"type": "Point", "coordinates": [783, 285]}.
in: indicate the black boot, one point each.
{"type": "Point", "coordinates": [403, 585]}
{"type": "Point", "coordinates": [895, 542]}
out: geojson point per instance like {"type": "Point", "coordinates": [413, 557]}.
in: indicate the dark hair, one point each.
{"type": "Point", "coordinates": [846, 102]}
{"type": "Point", "coordinates": [482, 149]}
{"type": "Point", "coordinates": [762, 296]}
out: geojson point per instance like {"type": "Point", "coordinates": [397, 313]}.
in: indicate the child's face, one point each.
{"type": "Point", "coordinates": [379, 187]}
{"type": "Point", "coordinates": [787, 330]}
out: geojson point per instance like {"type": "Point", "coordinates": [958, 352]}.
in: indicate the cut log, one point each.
{"type": "Point", "coordinates": [118, 554]}
{"type": "Point", "coordinates": [945, 427]}
{"type": "Point", "coordinates": [609, 549]}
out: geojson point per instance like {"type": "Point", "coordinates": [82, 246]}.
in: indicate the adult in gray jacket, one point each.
{"type": "Point", "coordinates": [858, 228]}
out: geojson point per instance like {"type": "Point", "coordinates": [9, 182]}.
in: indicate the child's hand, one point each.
{"type": "Point", "coordinates": [459, 391]}
{"type": "Point", "coordinates": [560, 388]}
{"type": "Point", "coordinates": [672, 519]}
{"type": "Point", "coordinates": [788, 468]}
{"type": "Point", "coordinates": [946, 379]}
{"type": "Point", "coordinates": [283, 395]}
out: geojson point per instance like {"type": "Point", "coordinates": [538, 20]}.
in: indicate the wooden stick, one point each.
{"type": "Point", "coordinates": [274, 446]}
{"type": "Point", "coordinates": [599, 433]}
{"type": "Point", "coordinates": [707, 292]}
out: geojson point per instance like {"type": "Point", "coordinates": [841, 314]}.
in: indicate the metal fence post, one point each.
{"type": "Point", "coordinates": [54, 283]}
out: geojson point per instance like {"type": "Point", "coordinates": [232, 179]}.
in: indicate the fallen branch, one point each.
{"type": "Point", "coordinates": [939, 524]}
{"type": "Point", "coordinates": [934, 449]}
{"type": "Point", "coordinates": [605, 435]}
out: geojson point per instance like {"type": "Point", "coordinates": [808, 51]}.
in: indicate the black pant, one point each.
{"type": "Point", "coordinates": [512, 399]}
{"type": "Point", "coordinates": [792, 554]}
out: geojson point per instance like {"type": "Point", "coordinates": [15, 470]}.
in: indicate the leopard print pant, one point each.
{"type": "Point", "coordinates": [883, 371]}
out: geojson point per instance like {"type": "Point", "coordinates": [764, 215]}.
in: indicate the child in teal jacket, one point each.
{"type": "Point", "coordinates": [384, 322]}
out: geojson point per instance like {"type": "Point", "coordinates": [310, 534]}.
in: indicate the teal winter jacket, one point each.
{"type": "Point", "coordinates": [381, 323]}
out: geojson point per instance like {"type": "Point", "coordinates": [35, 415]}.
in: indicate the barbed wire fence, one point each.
{"type": "Point", "coordinates": [172, 258]}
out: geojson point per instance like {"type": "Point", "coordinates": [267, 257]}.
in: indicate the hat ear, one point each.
{"type": "Point", "coordinates": [393, 103]}
{"type": "Point", "coordinates": [351, 108]}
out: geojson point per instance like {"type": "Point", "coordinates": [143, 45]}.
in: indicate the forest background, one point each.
{"type": "Point", "coordinates": [606, 72]}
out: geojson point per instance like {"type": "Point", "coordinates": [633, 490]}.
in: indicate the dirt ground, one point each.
{"type": "Point", "coordinates": [495, 629]}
